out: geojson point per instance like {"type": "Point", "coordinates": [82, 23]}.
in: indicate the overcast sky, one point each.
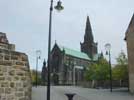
{"type": "Point", "coordinates": [26, 24]}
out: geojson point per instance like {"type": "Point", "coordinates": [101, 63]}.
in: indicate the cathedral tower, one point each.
{"type": "Point", "coordinates": [89, 46]}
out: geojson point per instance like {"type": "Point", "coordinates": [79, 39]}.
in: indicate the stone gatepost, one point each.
{"type": "Point", "coordinates": [15, 78]}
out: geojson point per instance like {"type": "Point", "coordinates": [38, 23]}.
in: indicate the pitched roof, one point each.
{"type": "Point", "coordinates": [130, 28]}
{"type": "Point", "coordinates": [74, 53]}
{"type": "Point", "coordinates": [97, 56]}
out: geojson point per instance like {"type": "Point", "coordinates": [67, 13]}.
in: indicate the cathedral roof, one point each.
{"type": "Point", "coordinates": [74, 53]}
{"type": "Point", "coordinates": [97, 56]}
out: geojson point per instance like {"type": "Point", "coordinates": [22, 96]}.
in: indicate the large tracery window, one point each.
{"type": "Point", "coordinates": [56, 63]}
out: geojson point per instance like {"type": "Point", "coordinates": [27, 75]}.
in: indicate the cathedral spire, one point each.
{"type": "Point", "coordinates": [89, 46]}
{"type": "Point", "coordinates": [88, 31]}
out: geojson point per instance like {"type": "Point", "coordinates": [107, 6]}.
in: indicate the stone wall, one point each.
{"type": "Point", "coordinates": [15, 81]}
{"type": "Point", "coordinates": [15, 78]}
{"type": "Point", "coordinates": [7, 46]}
{"type": "Point", "coordinates": [130, 46]}
{"type": "Point", "coordinates": [130, 49]}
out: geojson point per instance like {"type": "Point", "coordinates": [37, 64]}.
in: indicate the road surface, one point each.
{"type": "Point", "coordinates": [58, 93]}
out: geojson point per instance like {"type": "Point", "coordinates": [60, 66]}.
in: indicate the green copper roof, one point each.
{"type": "Point", "coordinates": [95, 57]}
{"type": "Point", "coordinates": [74, 53]}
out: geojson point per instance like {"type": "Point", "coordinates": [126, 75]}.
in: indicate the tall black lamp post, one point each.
{"type": "Point", "coordinates": [59, 8]}
{"type": "Point", "coordinates": [108, 48]}
{"type": "Point", "coordinates": [38, 54]}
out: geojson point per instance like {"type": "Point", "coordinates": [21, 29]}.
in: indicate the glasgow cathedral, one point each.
{"type": "Point", "coordinates": [68, 65]}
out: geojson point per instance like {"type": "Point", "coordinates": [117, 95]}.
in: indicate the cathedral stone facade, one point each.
{"type": "Point", "coordinates": [68, 65]}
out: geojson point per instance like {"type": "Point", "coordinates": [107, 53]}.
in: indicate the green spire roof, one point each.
{"type": "Point", "coordinates": [74, 53]}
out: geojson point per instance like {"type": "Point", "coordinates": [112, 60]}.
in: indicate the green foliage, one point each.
{"type": "Point", "coordinates": [98, 71]}
{"type": "Point", "coordinates": [120, 71]}
{"type": "Point", "coordinates": [91, 72]}
{"type": "Point", "coordinates": [121, 59]}
{"type": "Point", "coordinates": [33, 75]}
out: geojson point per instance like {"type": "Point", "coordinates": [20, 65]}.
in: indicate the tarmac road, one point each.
{"type": "Point", "coordinates": [58, 93]}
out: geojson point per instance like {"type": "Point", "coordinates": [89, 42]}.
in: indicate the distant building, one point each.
{"type": "Point", "coordinates": [44, 73]}
{"type": "Point", "coordinates": [130, 49]}
{"type": "Point", "coordinates": [67, 65]}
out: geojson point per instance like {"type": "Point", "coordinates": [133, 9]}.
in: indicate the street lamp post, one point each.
{"type": "Point", "coordinates": [58, 7]}
{"type": "Point", "coordinates": [38, 54]}
{"type": "Point", "coordinates": [108, 47]}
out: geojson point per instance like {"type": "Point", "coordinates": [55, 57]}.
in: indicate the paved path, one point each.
{"type": "Point", "coordinates": [57, 93]}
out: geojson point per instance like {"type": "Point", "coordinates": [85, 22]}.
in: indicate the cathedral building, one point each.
{"type": "Point", "coordinates": [68, 65]}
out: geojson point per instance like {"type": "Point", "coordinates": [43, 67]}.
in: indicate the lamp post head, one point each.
{"type": "Point", "coordinates": [59, 7]}
{"type": "Point", "coordinates": [107, 46]}
{"type": "Point", "coordinates": [38, 54]}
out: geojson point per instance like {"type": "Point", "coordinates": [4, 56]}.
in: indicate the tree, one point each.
{"type": "Point", "coordinates": [91, 72]}
{"type": "Point", "coordinates": [120, 71]}
{"type": "Point", "coordinates": [33, 75]}
{"type": "Point", "coordinates": [98, 71]}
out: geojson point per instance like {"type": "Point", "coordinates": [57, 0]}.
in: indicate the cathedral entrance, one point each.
{"type": "Point", "coordinates": [55, 79]}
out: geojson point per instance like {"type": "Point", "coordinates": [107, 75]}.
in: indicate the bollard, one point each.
{"type": "Point", "coordinates": [70, 95]}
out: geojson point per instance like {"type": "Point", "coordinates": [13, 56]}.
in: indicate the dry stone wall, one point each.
{"type": "Point", "coordinates": [15, 78]}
